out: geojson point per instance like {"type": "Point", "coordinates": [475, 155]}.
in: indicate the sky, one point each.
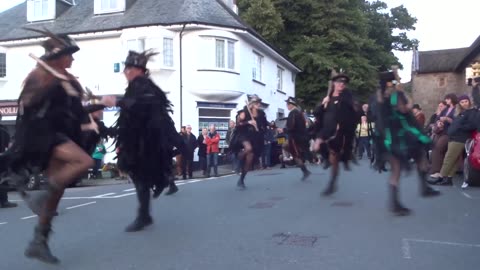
{"type": "Point", "coordinates": [442, 24]}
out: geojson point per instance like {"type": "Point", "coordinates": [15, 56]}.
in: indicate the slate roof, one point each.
{"type": "Point", "coordinates": [440, 60]}
{"type": "Point", "coordinates": [81, 19]}
{"type": "Point", "coordinates": [451, 60]}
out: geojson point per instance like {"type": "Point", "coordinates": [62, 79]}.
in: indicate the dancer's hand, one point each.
{"type": "Point", "coordinates": [326, 100]}
{"type": "Point", "coordinates": [109, 101]}
{"type": "Point", "coordinates": [316, 145]}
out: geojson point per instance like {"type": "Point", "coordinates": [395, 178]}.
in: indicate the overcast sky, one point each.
{"type": "Point", "coordinates": [442, 24]}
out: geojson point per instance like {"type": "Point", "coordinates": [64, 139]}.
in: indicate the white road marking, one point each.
{"type": "Point", "coordinates": [128, 190]}
{"type": "Point", "coordinates": [120, 196]}
{"type": "Point", "coordinates": [406, 245]}
{"type": "Point", "coordinates": [467, 195]}
{"type": "Point", "coordinates": [80, 205]}
{"type": "Point", "coordinates": [103, 195]}
{"type": "Point", "coordinates": [406, 249]}
{"type": "Point", "coordinates": [3, 223]}
{"type": "Point", "coordinates": [23, 218]}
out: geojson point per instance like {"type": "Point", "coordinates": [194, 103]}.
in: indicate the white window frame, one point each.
{"type": "Point", "coordinates": [225, 55]}
{"type": "Point", "coordinates": [257, 68]}
{"type": "Point", "coordinates": [280, 72]}
{"type": "Point", "coordinates": [40, 10]}
{"type": "Point", "coordinates": [100, 9]}
{"type": "Point", "coordinates": [3, 65]}
{"type": "Point", "coordinates": [168, 52]}
{"type": "Point", "coordinates": [139, 46]}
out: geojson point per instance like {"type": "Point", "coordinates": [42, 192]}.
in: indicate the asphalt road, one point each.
{"type": "Point", "coordinates": [278, 223]}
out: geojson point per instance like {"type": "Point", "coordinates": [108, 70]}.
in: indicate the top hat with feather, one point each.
{"type": "Point", "coordinates": [56, 46]}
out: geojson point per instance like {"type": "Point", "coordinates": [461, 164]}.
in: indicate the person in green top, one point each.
{"type": "Point", "coordinates": [97, 156]}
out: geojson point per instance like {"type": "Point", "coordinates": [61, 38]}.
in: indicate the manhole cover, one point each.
{"type": "Point", "coordinates": [268, 174]}
{"type": "Point", "coordinates": [342, 204]}
{"type": "Point", "coordinates": [262, 205]}
{"type": "Point", "coordinates": [296, 239]}
{"type": "Point", "coordinates": [276, 198]}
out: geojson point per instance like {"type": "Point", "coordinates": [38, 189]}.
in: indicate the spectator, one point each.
{"type": "Point", "coordinates": [202, 151]}
{"type": "Point", "coordinates": [269, 138]}
{"type": "Point", "coordinates": [459, 131]}
{"type": "Point", "coordinates": [232, 156]}
{"type": "Point", "coordinates": [190, 145]}
{"type": "Point", "coordinates": [178, 157]}
{"type": "Point", "coordinates": [441, 143]}
{"type": "Point", "coordinates": [4, 144]}
{"type": "Point", "coordinates": [98, 155]}
{"type": "Point", "coordinates": [419, 115]}
{"type": "Point", "coordinates": [363, 137]}
{"type": "Point", "coordinates": [212, 140]}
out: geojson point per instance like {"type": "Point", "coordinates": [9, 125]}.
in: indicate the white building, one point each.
{"type": "Point", "coordinates": [209, 58]}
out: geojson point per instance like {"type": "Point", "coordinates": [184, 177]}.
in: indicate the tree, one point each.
{"type": "Point", "coordinates": [320, 35]}
{"type": "Point", "coordinates": [262, 16]}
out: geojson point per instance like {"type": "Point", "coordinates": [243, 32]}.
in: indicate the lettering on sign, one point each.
{"type": "Point", "coordinates": [10, 110]}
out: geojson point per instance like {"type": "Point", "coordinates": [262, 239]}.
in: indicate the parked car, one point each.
{"type": "Point", "coordinates": [471, 167]}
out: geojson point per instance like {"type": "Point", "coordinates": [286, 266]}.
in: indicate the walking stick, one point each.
{"type": "Point", "coordinates": [251, 115]}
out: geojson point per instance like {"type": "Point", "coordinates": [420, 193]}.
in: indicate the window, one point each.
{"type": "Point", "coordinates": [224, 54]}
{"type": "Point", "coordinates": [257, 67]}
{"type": "Point", "coordinates": [109, 6]}
{"type": "Point", "coordinates": [137, 45]}
{"type": "Point", "coordinates": [40, 10]}
{"type": "Point", "coordinates": [168, 52]}
{"type": "Point", "coordinates": [3, 65]}
{"type": "Point", "coordinates": [279, 79]}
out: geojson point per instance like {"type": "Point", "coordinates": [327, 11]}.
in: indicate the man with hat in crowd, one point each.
{"type": "Point", "coordinates": [48, 136]}
{"type": "Point", "coordinates": [297, 135]}
{"type": "Point", "coordinates": [146, 135]}
{"type": "Point", "coordinates": [458, 132]}
{"type": "Point", "coordinates": [337, 128]}
{"type": "Point", "coordinates": [419, 115]}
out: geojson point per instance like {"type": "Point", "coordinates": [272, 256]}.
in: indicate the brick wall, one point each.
{"type": "Point", "coordinates": [429, 89]}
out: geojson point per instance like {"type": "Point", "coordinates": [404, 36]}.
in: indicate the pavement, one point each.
{"type": "Point", "coordinates": [277, 223]}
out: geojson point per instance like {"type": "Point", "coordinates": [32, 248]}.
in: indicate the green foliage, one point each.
{"type": "Point", "coordinates": [355, 36]}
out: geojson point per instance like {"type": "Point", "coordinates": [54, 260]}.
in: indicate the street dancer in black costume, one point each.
{"type": "Point", "coordinates": [399, 139]}
{"type": "Point", "coordinates": [247, 140]}
{"type": "Point", "coordinates": [298, 137]}
{"type": "Point", "coordinates": [337, 127]}
{"type": "Point", "coordinates": [48, 136]}
{"type": "Point", "coordinates": [146, 135]}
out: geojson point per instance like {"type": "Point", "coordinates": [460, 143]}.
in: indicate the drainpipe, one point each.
{"type": "Point", "coordinates": [181, 76]}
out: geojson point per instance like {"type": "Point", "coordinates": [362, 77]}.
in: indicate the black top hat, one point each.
{"type": "Point", "coordinates": [416, 106]}
{"type": "Point", "coordinates": [341, 76]}
{"type": "Point", "coordinates": [56, 45]}
{"type": "Point", "coordinates": [139, 60]}
{"type": "Point", "coordinates": [292, 101]}
{"type": "Point", "coordinates": [254, 98]}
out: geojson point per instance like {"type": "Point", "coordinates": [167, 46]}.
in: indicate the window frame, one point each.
{"type": "Point", "coordinates": [171, 53]}
{"type": "Point", "coordinates": [258, 61]}
{"type": "Point", "coordinates": [281, 72]}
{"type": "Point", "coordinates": [40, 10]}
{"type": "Point", "coordinates": [99, 10]}
{"type": "Point", "coordinates": [228, 61]}
{"type": "Point", "coordinates": [3, 65]}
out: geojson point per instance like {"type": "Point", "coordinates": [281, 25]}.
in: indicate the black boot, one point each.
{"type": "Point", "coordinates": [172, 188]}
{"type": "Point", "coordinates": [241, 181]}
{"type": "Point", "coordinates": [445, 181]}
{"type": "Point", "coordinates": [139, 224]}
{"type": "Point", "coordinates": [306, 172]}
{"type": "Point", "coordinates": [331, 188]}
{"type": "Point", "coordinates": [38, 247]}
{"type": "Point", "coordinates": [425, 189]}
{"type": "Point", "coordinates": [396, 207]}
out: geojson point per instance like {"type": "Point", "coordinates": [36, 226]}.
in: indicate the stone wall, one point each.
{"type": "Point", "coordinates": [429, 89]}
